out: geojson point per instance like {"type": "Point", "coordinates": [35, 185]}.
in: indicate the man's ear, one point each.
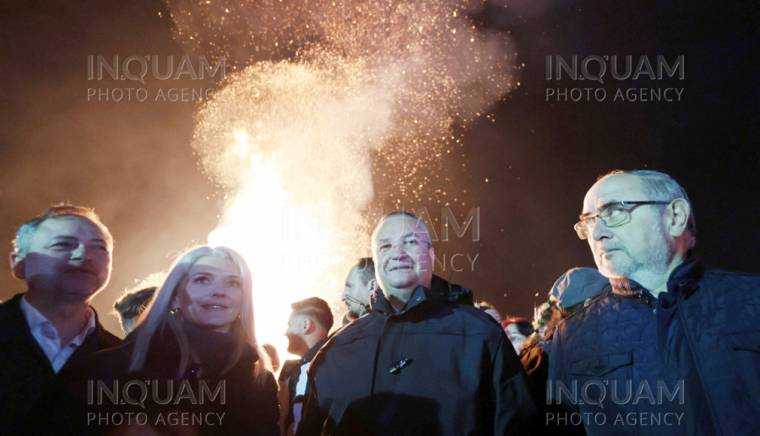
{"type": "Point", "coordinates": [308, 325]}
{"type": "Point", "coordinates": [432, 257]}
{"type": "Point", "coordinates": [371, 286]}
{"type": "Point", "coordinates": [678, 217]}
{"type": "Point", "coordinates": [17, 266]}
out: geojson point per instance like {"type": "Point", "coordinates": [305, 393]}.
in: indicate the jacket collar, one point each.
{"type": "Point", "coordinates": [12, 314]}
{"type": "Point", "coordinates": [440, 291]}
{"type": "Point", "coordinates": [683, 281]}
{"type": "Point", "coordinates": [15, 329]}
{"type": "Point", "coordinates": [37, 322]}
{"type": "Point", "coordinates": [312, 352]}
{"type": "Point", "coordinates": [12, 320]}
{"type": "Point", "coordinates": [382, 305]}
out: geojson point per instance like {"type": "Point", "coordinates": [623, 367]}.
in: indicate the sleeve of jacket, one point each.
{"type": "Point", "coordinates": [259, 411]}
{"type": "Point", "coordinates": [513, 406]}
{"type": "Point", "coordinates": [271, 416]}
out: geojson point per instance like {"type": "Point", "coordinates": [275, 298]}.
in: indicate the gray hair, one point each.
{"type": "Point", "coordinates": [663, 187]}
{"type": "Point", "coordinates": [420, 222]}
{"type": "Point", "coordinates": [28, 228]}
{"type": "Point", "coordinates": [366, 268]}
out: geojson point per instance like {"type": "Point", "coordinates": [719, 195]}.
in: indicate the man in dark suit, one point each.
{"type": "Point", "coordinates": [64, 257]}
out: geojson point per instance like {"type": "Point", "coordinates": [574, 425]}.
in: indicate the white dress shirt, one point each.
{"type": "Point", "coordinates": [300, 393]}
{"type": "Point", "coordinates": [47, 336]}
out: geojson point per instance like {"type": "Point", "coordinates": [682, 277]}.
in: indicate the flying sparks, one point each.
{"type": "Point", "coordinates": [320, 86]}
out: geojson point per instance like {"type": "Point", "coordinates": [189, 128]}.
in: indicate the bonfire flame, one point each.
{"type": "Point", "coordinates": [291, 140]}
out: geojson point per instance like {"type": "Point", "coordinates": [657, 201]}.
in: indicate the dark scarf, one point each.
{"type": "Point", "coordinates": [212, 348]}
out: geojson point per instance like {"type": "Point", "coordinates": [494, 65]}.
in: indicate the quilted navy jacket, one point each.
{"type": "Point", "coordinates": [687, 362]}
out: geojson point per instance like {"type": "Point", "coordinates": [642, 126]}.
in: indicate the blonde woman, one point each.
{"type": "Point", "coordinates": [192, 365]}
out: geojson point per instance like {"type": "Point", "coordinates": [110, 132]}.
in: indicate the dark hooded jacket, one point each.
{"type": "Point", "coordinates": [435, 367]}
{"type": "Point", "coordinates": [687, 362]}
{"type": "Point", "coordinates": [234, 402]}
{"type": "Point", "coordinates": [25, 371]}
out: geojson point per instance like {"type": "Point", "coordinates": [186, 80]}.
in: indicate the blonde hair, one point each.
{"type": "Point", "coordinates": [160, 312]}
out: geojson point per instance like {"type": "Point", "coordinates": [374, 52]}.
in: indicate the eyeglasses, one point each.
{"type": "Point", "coordinates": [614, 214]}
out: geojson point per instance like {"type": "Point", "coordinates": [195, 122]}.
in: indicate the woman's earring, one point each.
{"type": "Point", "coordinates": [174, 311]}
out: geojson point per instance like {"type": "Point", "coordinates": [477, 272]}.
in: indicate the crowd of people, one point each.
{"type": "Point", "coordinates": [648, 342]}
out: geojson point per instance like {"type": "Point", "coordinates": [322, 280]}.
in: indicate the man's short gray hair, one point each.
{"type": "Point", "coordinates": [26, 230]}
{"type": "Point", "coordinates": [366, 269]}
{"type": "Point", "coordinates": [420, 222]}
{"type": "Point", "coordinates": [662, 187]}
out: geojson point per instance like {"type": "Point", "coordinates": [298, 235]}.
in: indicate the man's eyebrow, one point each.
{"type": "Point", "coordinates": [65, 237]}
{"type": "Point", "coordinates": [601, 206]}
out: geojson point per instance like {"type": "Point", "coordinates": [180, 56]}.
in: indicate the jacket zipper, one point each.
{"type": "Point", "coordinates": [377, 355]}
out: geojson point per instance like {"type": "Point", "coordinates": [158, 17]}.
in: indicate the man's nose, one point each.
{"type": "Point", "coordinates": [599, 230]}
{"type": "Point", "coordinates": [398, 252]}
{"type": "Point", "coordinates": [79, 253]}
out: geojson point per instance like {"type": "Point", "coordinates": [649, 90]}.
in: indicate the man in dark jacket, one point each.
{"type": "Point", "coordinates": [420, 362]}
{"type": "Point", "coordinates": [359, 285]}
{"type": "Point", "coordinates": [308, 326]}
{"type": "Point", "coordinates": [64, 256]}
{"type": "Point", "coordinates": [670, 347]}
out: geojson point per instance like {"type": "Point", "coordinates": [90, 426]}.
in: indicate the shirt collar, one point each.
{"type": "Point", "coordinates": [36, 320]}
{"type": "Point", "coordinates": [88, 328]}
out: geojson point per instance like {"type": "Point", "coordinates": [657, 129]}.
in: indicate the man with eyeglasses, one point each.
{"type": "Point", "coordinates": [670, 347]}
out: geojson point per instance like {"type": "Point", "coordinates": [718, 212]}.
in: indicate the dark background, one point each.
{"type": "Point", "coordinates": [133, 162]}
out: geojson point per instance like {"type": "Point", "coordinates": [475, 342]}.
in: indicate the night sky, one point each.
{"type": "Point", "coordinates": [526, 171]}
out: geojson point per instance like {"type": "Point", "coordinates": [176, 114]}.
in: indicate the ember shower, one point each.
{"type": "Point", "coordinates": [319, 86]}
